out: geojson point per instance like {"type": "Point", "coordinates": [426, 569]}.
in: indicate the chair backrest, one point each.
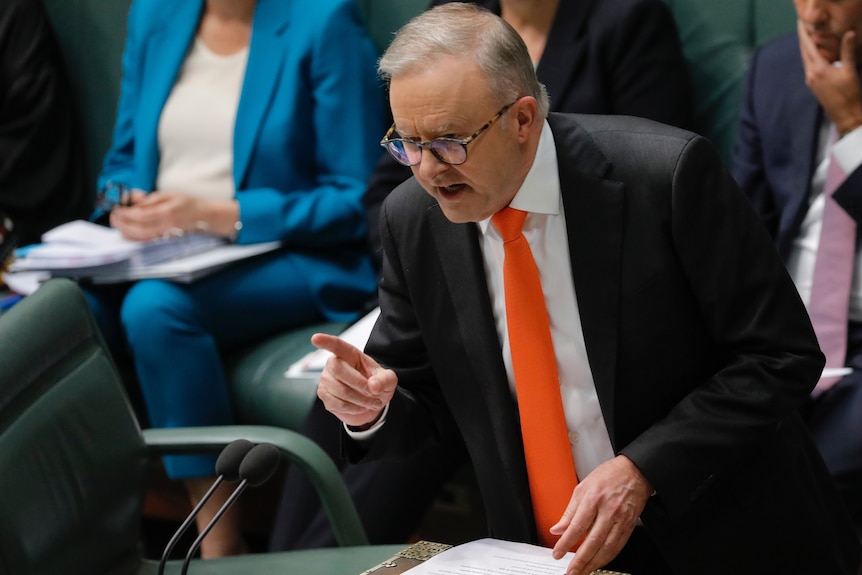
{"type": "Point", "coordinates": [718, 39]}
{"type": "Point", "coordinates": [72, 458]}
{"type": "Point", "coordinates": [384, 17]}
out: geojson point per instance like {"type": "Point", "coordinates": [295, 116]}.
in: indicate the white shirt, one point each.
{"type": "Point", "coordinates": [197, 123]}
{"type": "Point", "coordinates": [545, 231]}
{"type": "Point", "coordinates": [848, 153]}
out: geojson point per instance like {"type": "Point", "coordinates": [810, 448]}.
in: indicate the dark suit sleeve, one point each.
{"type": "Point", "coordinates": [418, 416]}
{"type": "Point", "coordinates": [759, 358]}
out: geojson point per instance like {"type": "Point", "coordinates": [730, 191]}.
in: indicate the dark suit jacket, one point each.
{"type": "Point", "coordinates": [774, 155]}
{"type": "Point", "coordinates": [41, 155]}
{"type": "Point", "coordinates": [700, 349]}
{"type": "Point", "coordinates": [602, 57]}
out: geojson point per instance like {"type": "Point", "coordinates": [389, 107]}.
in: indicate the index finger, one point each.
{"type": "Point", "coordinates": [848, 49]}
{"type": "Point", "coordinates": [806, 44]}
{"type": "Point", "coordinates": [337, 347]}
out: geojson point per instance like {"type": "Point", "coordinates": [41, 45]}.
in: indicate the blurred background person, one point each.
{"type": "Point", "coordinates": [797, 157]}
{"type": "Point", "coordinates": [41, 161]}
{"type": "Point", "coordinates": [255, 120]}
{"type": "Point", "coordinates": [594, 56]}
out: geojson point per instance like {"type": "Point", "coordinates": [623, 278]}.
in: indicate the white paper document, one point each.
{"type": "Point", "coordinates": [81, 245]}
{"type": "Point", "coordinates": [494, 557]}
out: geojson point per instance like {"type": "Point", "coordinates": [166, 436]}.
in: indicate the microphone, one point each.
{"type": "Point", "coordinates": [257, 466]}
{"type": "Point", "coordinates": [227, 469]}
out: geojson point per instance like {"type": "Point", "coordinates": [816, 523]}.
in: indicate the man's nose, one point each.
{"type": "Point", "coordinates": [430, 167]}
{"type": "Point", "coordinates": [811, 11]}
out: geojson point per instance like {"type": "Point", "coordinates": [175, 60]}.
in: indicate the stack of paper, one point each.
{"type": "Point", "coordinates": [81, 244]}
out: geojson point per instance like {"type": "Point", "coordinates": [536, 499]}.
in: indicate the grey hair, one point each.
{"type": "Point", "coordinates": [460, 28]}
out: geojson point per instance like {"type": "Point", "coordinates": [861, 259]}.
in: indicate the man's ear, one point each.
{"type": "Point", "coordinates": [526, 111]}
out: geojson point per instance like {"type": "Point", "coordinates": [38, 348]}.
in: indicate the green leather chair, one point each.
{"type": "Point", "coordinates": [73, 460]}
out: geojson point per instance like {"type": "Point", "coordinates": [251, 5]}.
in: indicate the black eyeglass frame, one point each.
{"type": "Point", "coordinates": [386, 142]}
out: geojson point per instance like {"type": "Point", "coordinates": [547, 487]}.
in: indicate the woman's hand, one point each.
{"type": "Point", "coordinates": [160, 214]}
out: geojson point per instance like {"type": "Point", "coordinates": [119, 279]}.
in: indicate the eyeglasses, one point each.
{"type": "Point", "coordinates": [450, 151]}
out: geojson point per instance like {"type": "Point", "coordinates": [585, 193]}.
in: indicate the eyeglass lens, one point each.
{"type": "Point", "coordinates": [410, 153]}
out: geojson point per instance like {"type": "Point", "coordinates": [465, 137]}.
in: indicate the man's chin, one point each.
{"type": "Point", "coordinates": [456, 216]}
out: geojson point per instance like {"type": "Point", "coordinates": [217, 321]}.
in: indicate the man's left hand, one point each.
{"type": "Point", "coordinates": [601, 515]}
{"type": "Point", "coordinates": [835, 87]}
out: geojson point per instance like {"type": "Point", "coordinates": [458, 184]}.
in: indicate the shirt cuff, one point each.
{"type": "Point", "coordinates": [371, 431]}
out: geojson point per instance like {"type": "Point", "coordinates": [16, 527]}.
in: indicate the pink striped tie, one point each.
{"type": "Point", "coordinates": [833, 277]}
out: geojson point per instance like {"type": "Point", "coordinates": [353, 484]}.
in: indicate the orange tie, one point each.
{"type": "Point", "coordinates": [550, 466]}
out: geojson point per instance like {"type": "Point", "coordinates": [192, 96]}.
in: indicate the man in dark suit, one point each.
{"type": "Point", "coordinates": [801, 118]}
{"type": "Point", "coordinates": [681, 360]}
{"type": "Point", "coordinates": [594, 57]}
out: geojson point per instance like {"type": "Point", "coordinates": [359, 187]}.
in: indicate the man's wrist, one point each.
{"type": "Point", "coordinates": [367, 429]}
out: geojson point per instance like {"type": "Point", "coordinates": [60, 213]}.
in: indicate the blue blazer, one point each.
{"type": "Point", "coordinates": [307, 128]}
{"type": "Point", "coordinates": [774, 154]}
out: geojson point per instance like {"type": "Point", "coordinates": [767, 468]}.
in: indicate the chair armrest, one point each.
{"type": "Point", "coordinates": [300, 450]}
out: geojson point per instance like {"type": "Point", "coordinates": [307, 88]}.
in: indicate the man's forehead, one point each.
{"type": "Point", "coordinates": [439, 99]}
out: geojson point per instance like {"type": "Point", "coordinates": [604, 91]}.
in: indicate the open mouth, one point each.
{"type": "Point", "coordinates": [451, 190]}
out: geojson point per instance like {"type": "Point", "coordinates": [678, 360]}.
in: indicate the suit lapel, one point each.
{"type": "Point", "coordinates": [165, 52]}
{"type": "Point", "coordinates": [266, 54]}
{"type": "Point", "coordinates": [464, 273]}
{"type": "Point", "coordinates": [594, 209]}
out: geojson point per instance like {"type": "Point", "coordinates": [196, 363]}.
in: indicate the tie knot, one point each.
{"type": "Point", "coordinates": [509, 222]}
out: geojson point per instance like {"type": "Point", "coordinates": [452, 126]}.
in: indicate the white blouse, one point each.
{"type": "Point", "coordinates": [196, 127]}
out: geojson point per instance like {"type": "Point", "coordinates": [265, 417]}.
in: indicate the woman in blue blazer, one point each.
{"type": "Point", "coordinates": [256, 120]}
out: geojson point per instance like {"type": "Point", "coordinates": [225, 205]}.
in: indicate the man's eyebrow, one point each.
{"type": "Point", "coordinates": [439, 132]}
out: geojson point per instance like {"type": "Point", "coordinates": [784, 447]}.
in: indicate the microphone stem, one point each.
{"type": "Point", "coordinates": [188, 521]}
{"type": "Point", "coordinates": [197, 543]}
